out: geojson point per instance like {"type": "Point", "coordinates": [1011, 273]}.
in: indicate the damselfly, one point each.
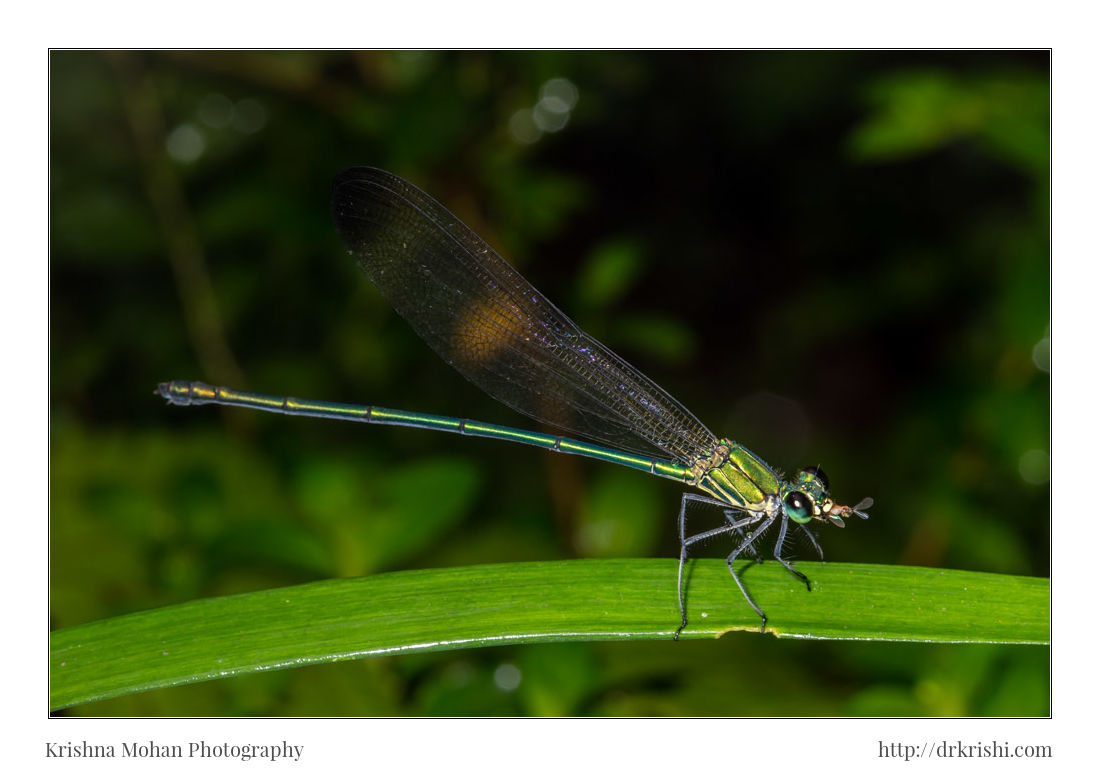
{"type": "Point", "coordinates": [485, 320]}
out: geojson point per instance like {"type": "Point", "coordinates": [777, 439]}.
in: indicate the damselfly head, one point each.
{"type": "Point", "coordinates": [808, 499]}
{"type": "Point", "coordinates": [807, 496]}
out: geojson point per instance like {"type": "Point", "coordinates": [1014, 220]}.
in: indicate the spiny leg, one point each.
{"type": "Point", "coordinates": [783, 561]}
{"type": "Point", "coordinates": [687, 542]}
{"type": "Point", "coordinates": [813, 540]}
{"type": "Point", "coordinates": [737, 578]}
{"type": "Point", "coordinates": [731, 517]}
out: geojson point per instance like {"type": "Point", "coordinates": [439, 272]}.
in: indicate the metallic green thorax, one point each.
{"type": "Point", "coordinates": [739, 478]}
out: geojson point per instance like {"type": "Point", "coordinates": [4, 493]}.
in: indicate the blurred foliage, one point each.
{"type": "Point", "coordinates": [836, 258]}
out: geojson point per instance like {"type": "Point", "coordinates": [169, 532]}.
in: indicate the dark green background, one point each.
{"type": "Point", "coordinates": [835, 258]}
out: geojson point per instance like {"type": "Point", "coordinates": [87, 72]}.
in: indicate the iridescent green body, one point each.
{"type": "Point", "coordinates": [185, 392]}
{"type": "Point", "coordinates": [733, 477]}
{"type": "Point", "coordinates": [741, 479]}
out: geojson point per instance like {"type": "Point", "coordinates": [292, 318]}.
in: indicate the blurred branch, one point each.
{"type": "Point", "coordinates": [200, 308]}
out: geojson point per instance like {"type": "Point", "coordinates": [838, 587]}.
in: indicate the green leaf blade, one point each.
{"type": "Point", "coordinates": [445, 609]}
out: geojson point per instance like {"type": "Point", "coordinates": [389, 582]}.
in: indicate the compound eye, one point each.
{"type": "Point", "coordinates": [818, 473]}
{"type": "Point", "coordinates": [799, 507]}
